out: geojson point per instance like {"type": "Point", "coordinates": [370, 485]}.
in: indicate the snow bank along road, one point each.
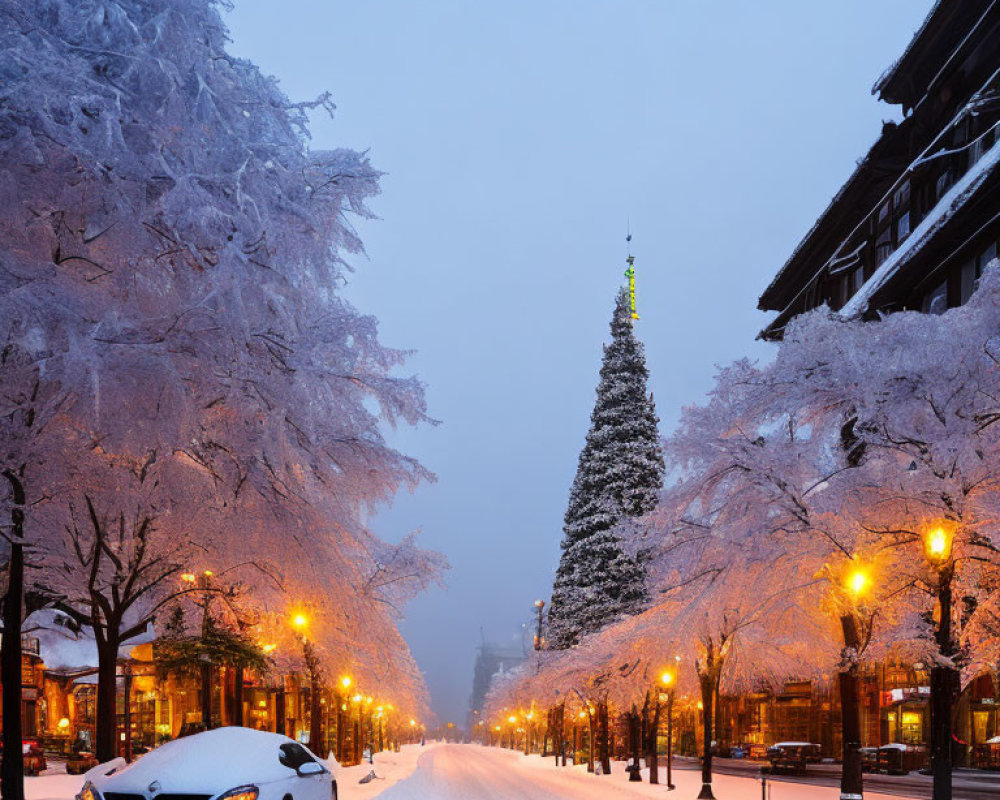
{"type": "Point", "coordinates": [472, 772]}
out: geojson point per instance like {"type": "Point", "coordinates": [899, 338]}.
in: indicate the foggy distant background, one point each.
{"type": "Point", "coordinates": [518, 138]}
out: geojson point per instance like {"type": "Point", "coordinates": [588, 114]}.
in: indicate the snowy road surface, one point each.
{"type": "Point", "coordinates": [472, 772]}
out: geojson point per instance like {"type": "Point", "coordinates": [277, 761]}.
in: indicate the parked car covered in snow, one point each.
{"type": "Point", "coordinates": [793, 755]}
{"type": "Point", "coordinates": [33, 755]}
{"type": "Point", "coordinates": [221, 764]}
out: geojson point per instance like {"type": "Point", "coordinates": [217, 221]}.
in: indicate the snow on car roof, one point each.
{"type": "Point", "coordinates": [210, 762]}
{"type": "Point", "coordinates": [794, 744]}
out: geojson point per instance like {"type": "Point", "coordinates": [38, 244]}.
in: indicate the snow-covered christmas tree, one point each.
{"type": "Point", "coordinates": [618, 478]}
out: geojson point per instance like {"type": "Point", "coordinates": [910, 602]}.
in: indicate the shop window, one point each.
{"type": "Point", "coordinates": [980, 726]}
{"type": "Point", "coordinates": [936, 301]}
{"type": "Point", "coordinates": [911, 727]}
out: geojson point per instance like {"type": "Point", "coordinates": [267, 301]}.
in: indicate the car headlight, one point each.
{"type": "Point", "coordinates": [88, 792]}
{"type": "Point", "coordinates": [239, 793]}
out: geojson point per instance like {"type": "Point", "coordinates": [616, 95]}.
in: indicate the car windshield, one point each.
{"type": "Point", "coordinates": [294, 755]}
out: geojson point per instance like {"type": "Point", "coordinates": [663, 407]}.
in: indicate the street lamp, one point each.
{"type": "Point", "coordinates": [669, 681]}
{"type": "Point", "coordinates": [857, 584]}
{"type": "Point", "coordinates": [539, 605]}
{"type": "Point", "coordinates": [345, 684]}
{"type": "Point", "coordinates": [938, 540]}
{"type": "Point", "coordinates": [300, 622]}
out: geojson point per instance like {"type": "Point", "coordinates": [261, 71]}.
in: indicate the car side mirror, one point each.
{"type": "Point", "coordinates": [310, 768]}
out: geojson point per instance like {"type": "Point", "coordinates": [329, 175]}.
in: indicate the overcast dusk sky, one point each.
{"type": "Point", "coordinates": [518, 138]}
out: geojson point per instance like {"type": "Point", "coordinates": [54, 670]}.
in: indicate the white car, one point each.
{"type": "Point", "coordinates": [221, 764]}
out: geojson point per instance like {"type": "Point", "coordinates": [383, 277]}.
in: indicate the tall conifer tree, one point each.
{"type": "Point", "coordinates": [618, 477]}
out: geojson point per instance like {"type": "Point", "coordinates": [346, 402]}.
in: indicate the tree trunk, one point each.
{"type": "Point", "coordinates": [590, 742]}
{"type": "Point", "coordinates": [206, 695]}
{"type": "Point", "coordinates": [652, 732]}
{"type": "Point", "coordinates": [851, 778]}
{"type": "Point", "coordinates": [279, 711]}
{"type": "Point", "coordinates": [604, 744]}
{"type": "Point", "coordinates": [238, 696]}
{"type": "Point", "coordinates": [560, 744]}
{"type": "Point", "coordinates": [107, 700]}
{"type": "Point", "coordinates": [340, 728]}
{"type": "Point", "coordinates": [316, 718]}
{"type": "Point", "coordinates": [943, 681]}
{"type": "Point", "coordinates": [634, 737]}
{"type": "Point", "coordinates": [707, 680]}
{"type": "Point", "coordinates": [12, 768]}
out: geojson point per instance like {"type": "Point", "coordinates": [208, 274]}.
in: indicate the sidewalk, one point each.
{"type": "Point", "coordinates": [688, 783]}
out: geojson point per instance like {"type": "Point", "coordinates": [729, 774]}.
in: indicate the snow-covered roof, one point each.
{"type": "Point", "coordinates": [945, 209]}
{"type": "Point", "coordinates": [64, 648]}
{"type": "Point", "coordinates": [890, 72]}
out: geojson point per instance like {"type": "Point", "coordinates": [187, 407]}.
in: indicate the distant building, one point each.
{"type": "Point", "coordinates": [918, 219]}
{"type": "Point", "coordinates": [491, 659]}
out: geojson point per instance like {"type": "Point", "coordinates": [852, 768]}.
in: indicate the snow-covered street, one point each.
{"type": "Point", "coordinates": [471, 772]}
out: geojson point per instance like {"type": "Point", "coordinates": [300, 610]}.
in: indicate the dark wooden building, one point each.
{"type": "Point", "coordinates": [912, 228]}
{"type": "Point", "coordinates": [918, 219]}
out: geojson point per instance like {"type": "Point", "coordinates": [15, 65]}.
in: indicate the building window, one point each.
{"type": "Point", "coordinates": [857, 280]}
{"type": "Point", "coordinates": [903, 226]}
{"type": "Point", "coordinates": [911, 727]}
{"type": "Point", "coordinates": [987, 256]}
{"type": "Point", "coordinates": [968, 281]}
{"type": "Point", "coordinates": [901, 197]}
{"type": "Point", "coordinates": [936, 301]}
{"type": "Point", "coordinates": [943, 184]}
{"type": "Point", "coordinates": [883, 247]}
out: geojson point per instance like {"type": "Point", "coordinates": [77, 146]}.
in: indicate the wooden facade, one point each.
{"type": "Point", "coordinates": [914, 225]}
{"type": "Point", "coordinates": [911, 229]}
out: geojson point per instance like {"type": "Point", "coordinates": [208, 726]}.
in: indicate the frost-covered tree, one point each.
{"type": "Point", "coordinates": [922, 390]}
{"type": "Point", "coordinates": [171, 254]}
{"type": "Point", "coordinates": [619, 474]}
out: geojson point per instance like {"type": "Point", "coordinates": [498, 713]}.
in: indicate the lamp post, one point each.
{"type": "Point", "coordinates": [938, 538]}
{"type": "Point", "coordinates": [539, 643]}
{"type": "Point", "coordinates": [669, 682]}
{"type": "Point", "coordinates": [357, 699]}
{"type": "Point", "coordinates": [345, 684]}
{"type": "Point", "coordinates": [857, 583]}
{"type": "Point", "coordinates": [301, 624]}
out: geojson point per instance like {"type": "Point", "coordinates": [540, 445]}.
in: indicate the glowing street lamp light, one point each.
{"type": "Point", "coordinates": [938, 539]}
{"type": "Point", "coordinates": [346, 682]}
{"type": "Point", "coordinates": [858, 581]}
{"type": "Point", "coordinates": [299, 622]}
